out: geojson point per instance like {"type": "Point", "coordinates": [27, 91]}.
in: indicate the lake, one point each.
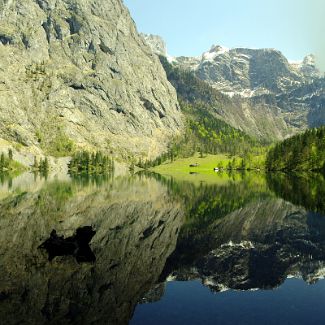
{"type": "Point", "coordinates": [227, 248]}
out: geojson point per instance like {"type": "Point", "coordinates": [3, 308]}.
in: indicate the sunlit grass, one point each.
{"type": "Point", "coordinates": [207, 163]}
{"type": "Point", "coordinates": [204, 172]}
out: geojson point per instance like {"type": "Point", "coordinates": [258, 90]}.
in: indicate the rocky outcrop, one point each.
{"type": "Point", "coordinates": [79, 71]}
{"type": "Point", "coordinates": [136, 225]}
{"type": "Point", "coordinates": [307, 67]}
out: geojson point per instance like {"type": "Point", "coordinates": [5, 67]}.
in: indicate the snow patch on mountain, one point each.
{"type": "Point", "coordinates": [215, 51]}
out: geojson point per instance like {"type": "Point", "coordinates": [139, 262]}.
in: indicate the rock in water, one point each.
{"type": "Point", "coordinates": [78, 70]}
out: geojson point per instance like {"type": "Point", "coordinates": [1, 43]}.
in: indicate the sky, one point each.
{"type": "Point", "coordinates": [191, 27]}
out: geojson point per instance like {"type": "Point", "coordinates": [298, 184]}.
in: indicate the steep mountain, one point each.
{"type": "Point", "coordinates": [257, 117]}
{"type": "Point", "coordinates": [77, 72]}
{"type": "Point", "coordinates": [262, 87]}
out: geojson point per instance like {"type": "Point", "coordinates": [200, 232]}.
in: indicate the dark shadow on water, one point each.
{"type": "Point", "coordinates": [76, 245]}
{"type": "Point", "coordinates": [3, 296]}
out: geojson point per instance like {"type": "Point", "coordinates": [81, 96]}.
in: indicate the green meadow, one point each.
{"type": "Point", "coordinates": [180, 168]}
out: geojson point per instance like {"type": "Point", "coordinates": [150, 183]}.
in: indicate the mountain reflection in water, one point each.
{"type": "Point", "coordinates": [235, 232]}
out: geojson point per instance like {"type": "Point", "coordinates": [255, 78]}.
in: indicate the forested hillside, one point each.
{"type": "Point", "coordinates": [200, 103]}
{"type": "Point", "coordinates": [302, 152]}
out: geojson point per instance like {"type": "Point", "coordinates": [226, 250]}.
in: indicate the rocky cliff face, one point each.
{"type": "Point", "coordinates": [79, 70]}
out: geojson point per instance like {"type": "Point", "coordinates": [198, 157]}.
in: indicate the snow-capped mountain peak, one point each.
{"type": "Point", "coordinates": [215, 51]}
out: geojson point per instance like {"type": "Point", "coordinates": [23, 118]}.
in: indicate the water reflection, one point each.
{"type": "Point", "coordinates": [6, 180]}
{"type": "Point", "coordinates": [136, 225]}
{"type": "Point", "coordinates": [307, 190]}
{"type": "Point", "coordinates": [236, 231]}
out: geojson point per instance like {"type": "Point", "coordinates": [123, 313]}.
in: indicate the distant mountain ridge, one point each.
{"type": "Point", "coordinates": [243, 71]}
{"type": "Point", "coordinates": [262, 80]}
{"type": "Point", "coordinates": [248, 72]}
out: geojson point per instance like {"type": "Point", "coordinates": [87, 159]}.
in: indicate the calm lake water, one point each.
{"type": "Point", "coordinates": [151, 249]}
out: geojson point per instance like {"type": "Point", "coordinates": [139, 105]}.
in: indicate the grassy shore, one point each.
{"type": "Point", "coordinates": [207, 163]}
{"type": "Point", "coordinates": [181, 169]}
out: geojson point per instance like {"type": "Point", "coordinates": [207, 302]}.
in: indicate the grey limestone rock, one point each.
{"type": "Point", "coordinates": [81, 69]}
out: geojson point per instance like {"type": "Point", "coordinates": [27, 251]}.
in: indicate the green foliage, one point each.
{"type": "Point", "coordinates": [206, 203]}
{"type": "Point", "coordinates": [10, 154]}
{"type": "Point", "coordinates": [302, 152]}
{"type": "Point", "coordinates": [53, 197]}
{"type": "Point", "coordinates": [207, 135]}
{"type": "Point", "coordinates": [214, 135]}
{"type": "Point", "coordinates": [36, 69]}
{"type": "Point", "coordinates": [91, 180]}
{"type": "Point", "coordinates": [36, 164]}
{"type": "Point", "coordinates": [44, 165]}
{"type": "Point", "coordinates": [4, 162]}
{"type": "Point", "coordinates": [53, 140]}
{"type": "Point", "coordinates": [6, 178]}
{"type": "Point", "coordinates": [96, 163]}
{"type": "Point", "coordinates": [171, 154]}
{"type": "Point", "coordinates": [61, 146]}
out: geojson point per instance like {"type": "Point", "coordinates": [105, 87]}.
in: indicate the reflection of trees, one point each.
{"type": "Point", "coordinates": [94, 179]}
{"type": "Point", "coordinates": [5, 178]}
{"type": "Point", "coordinates": [205, 203]}
{"type": "Point", "coordinates": [307, 190]}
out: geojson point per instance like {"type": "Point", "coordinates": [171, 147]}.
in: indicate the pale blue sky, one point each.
{"type": "Point", "coordinates": [190, 27]}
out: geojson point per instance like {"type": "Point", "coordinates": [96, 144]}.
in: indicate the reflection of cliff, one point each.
{"type": "Point", "coordinates": [136, 227]}
{"type": "Point", "coordinates": [26, 182]}
{"type": "Point", "coordinates": [257, 246]}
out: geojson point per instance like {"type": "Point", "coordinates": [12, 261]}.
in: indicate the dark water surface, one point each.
{"type": "Point", "coordinates": [149, 249]}
{"type": "Point", "coordinates": [295, 302]}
